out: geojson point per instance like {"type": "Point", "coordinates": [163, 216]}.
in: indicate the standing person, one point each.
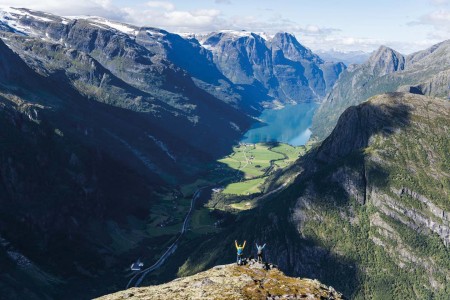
{"type": "Point", "coordinates": [240, 251]}
{"type": "Point", "coordinates": [260, 251]}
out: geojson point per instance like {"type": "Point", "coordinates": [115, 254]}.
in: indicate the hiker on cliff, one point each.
{"type": "Point", "coordinates": [240, 251]}
{"type": "Point", "coordinates": [260, 251]}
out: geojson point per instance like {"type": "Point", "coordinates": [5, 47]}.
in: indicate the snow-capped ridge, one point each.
{"type": "Point", "coordinates": [12, 18]}
{"type": "Point", "coordinates": [122, 27]}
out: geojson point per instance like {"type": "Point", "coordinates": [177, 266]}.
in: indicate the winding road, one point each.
{"type": "Point", "coordinates": [141, 274]}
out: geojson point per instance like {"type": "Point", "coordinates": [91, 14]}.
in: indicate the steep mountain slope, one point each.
{"type": "Point", "coordinates": [281, 65]}
{"type": "Point", "coordinates": [425, 72]}
{"type": "Point", "coordinates": [59, 194]}
{"type": "Point", "coordinates": [86, 113]}
{"type": "Point", "coordinates": [233, 282]}
{"type": "Point", "coordinates": [368, 213]}
{"type": "Point", "coordinates": [151, 83]}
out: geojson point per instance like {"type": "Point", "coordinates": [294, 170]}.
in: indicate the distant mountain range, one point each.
{"type": "Point", "coordinates": [348, 58]}
{"type": "Point", "coordinates": [284, 68]}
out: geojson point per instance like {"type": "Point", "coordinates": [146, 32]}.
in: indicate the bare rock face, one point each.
{"type": "Point", "coordinates": [287, 70]}
{"type": "Point", "coordinates": [230, 282]}
{"type": "Point", "coordinates": [386, 61]}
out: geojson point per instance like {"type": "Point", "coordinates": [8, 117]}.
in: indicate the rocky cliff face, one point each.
{"type": "Point", "coordinates": [233, 282]}
{"type": "Point", "coordinates": [288, 71]}
{"type": "Point", "coordinates": [385, 179]}
{"type": "Point", "coordinates": [425, 72]}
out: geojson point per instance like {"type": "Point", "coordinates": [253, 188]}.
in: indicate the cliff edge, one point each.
{"type": "Point", "coordinates": [252, 281]}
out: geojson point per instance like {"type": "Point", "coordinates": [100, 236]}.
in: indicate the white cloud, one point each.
{"type": "Point", "coordinates": [274, 25]}
{"type": "Point", "coordinates": [196, 18]}
{"type": "Point", "coordinates": [440, 2]}
{"type": "Point", "coordinates": [348, 43]}
{"type": "Point", "coordinates": [161, 4]}
{"type": "Point", "coordinates": [153, 13]}
{"type": "Point", "coordinates": [439, 17]}
{"type": "Point", "coordinates": [314, 30]}
{"type": "Point", "coordinates": [439, 20]}
{"type": "Point", "coordinates": [175, 20]}
{"type": "Point", "coordinates": [102, 8]}
{"type": "Point", "coordinates": [342, 43]}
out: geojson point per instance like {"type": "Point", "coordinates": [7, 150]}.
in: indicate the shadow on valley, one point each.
{"type": "Point", "coordinates": [79, 180]}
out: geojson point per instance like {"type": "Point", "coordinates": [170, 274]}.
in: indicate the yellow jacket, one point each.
{"type": "Point", "coordinates": [239, 249]}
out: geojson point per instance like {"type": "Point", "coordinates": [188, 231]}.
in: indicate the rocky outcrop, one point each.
{"type": "Point", "coordinates": [233, 282]}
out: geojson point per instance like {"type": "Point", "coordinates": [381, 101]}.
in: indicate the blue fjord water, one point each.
{"type": "Point", "coordinates": [288, 125]}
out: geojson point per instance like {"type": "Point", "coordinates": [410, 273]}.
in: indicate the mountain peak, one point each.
{"type": "Point", "coordinates": [284, 34]}
{"type": "Point", "coordinates": [292, 48]}
{"type": "Point", "coordinates": [287, 38]}
{"type": "Point", "coordinates": [231, 281]}
{"type": "Point", "coordinates": [385, 61]}
{"type": "Point", "coordinates": [383, 50]}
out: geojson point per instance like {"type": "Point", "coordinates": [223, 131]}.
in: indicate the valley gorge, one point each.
{"type": "Point", "coordinates": [114, 136]}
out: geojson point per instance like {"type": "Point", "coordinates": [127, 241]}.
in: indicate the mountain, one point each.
{"type": "Point", "coordinates": [94, 128]}
{"type": "Point", "coordinates": [425, 72]}
{"type": "Point", "coordinates": [234, 282]}
{"type": "Point", "coordinates": [287, 70]}
{"type": "Point", "coordinates": [108, 66]}
{"type": "Point", "coordinates": [58, 190]}
{"type": "Point", "coordinates": [348, 58]}
{"type": "Point", "coordinates": [368, 212]}
{"type": "Point", "coordinates": [102, 125]}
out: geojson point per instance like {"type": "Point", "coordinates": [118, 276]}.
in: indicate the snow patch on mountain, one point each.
{"type": "Point", "coordinates": [125, 28]}
{"type": "Point", "coordinates": [14, 17]}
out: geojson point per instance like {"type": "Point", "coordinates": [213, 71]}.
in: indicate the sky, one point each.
{"type": "Point", "coordinates": [343, 25]}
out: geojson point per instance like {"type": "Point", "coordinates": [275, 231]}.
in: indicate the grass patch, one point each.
{"type": "Point", "coordinates": [256, 162]}
{"type": "Point", "coordinates": [246, 187]}
{"type": "Point", "coordinates": [251, 160]}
